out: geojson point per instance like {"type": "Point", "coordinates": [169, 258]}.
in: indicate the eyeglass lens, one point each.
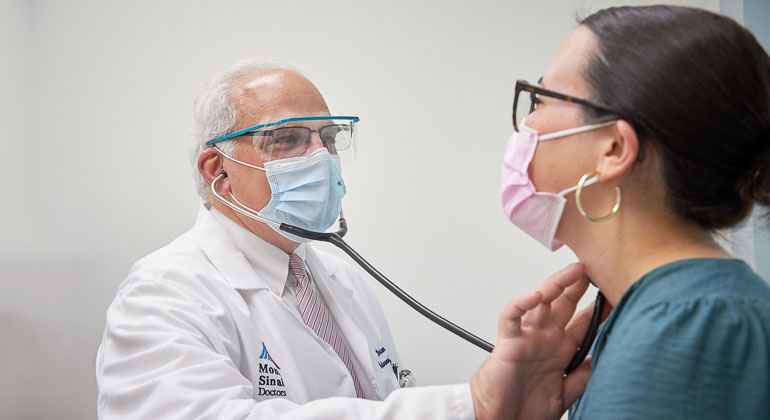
{"type": "Point", "coordinates": [526, 103]}
{"type": "Point", "coordinates": [296, 141]}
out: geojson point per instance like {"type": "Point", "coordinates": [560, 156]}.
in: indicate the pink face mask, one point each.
{"type": "Point", "coordinates": [536, 213]}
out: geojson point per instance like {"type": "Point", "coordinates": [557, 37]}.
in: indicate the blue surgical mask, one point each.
{"type": "Point", "coordinates": [306, 191]}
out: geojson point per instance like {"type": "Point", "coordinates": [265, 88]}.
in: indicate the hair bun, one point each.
{"type": "Point", "coordinates": [760, 181]}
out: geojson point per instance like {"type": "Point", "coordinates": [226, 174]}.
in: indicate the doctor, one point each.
{"type": "Point", "coordinates": [236, 320]}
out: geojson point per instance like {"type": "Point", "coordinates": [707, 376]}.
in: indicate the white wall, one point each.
{"type": "Point", "coordinates": [95, 108]}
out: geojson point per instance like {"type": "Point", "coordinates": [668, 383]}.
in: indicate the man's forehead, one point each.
{"type": "Point", "coordinates": [257, 81]}
{"type": "Point", "coordinates": [275, 94]}
{"type": "Point", "coordinates": [272, 82]}
{"type": "Point", "coordinates": [258, 86]}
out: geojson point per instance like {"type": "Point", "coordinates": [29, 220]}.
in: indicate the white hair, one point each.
{"type": "Point", "coordinates": [214, 114]}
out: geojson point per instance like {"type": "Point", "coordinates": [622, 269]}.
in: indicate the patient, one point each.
{"type": "Point", "coordinates": [649, 131]}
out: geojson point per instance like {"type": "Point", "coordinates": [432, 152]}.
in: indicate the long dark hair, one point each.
{"type": "Point", "coordinates": [695, 86]}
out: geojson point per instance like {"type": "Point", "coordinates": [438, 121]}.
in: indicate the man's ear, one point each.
{"type": "Point", "coordinates": [619, 152]}
{"type": "Point", "coordinates": [210, 166]}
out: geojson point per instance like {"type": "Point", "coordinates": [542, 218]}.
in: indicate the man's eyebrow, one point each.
{"type": "Point", "coordinates": [540, 81]}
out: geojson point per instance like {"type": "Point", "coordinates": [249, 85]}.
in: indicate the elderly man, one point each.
{"type": "Point", "coordinates": [237, 319]}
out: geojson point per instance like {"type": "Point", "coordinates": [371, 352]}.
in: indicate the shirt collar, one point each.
{"type": "Point", "coordinates": [656, 287]}
{"type": "Point", "coordinates": [270, 263]}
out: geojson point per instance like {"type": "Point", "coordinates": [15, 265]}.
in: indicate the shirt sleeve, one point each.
{"type": "Point", "coordinates": [702, 359]}
{"type": "Point", "coordinates": [163, 356]}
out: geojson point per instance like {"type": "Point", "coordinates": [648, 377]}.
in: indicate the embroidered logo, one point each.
{"type": "Point", "coordinates": [270, 379]}
{"type": "Point", "coordinates": [266, 355]}
{"type": "Point", "coordinates": [380, 360]}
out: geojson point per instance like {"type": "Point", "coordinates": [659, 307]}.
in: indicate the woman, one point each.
{"type": "Point", "coordinates": [650, 130]}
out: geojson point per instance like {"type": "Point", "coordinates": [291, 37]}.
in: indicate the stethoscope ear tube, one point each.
{"type": "Point", "coordinates": [336, 240]}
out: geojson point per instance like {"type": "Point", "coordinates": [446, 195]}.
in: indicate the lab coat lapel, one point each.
{"type": "Point", "coordinates": [352, 320]}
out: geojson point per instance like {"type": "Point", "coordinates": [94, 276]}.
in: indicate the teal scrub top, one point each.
{"type": "Point", "coordinates": [689, 340]}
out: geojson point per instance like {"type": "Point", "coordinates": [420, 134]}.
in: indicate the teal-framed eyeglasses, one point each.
{"type": "Point", "coordinates": [287, 138]}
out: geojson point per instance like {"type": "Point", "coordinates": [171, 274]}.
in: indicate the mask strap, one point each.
{"type": "Point", "coordinates": [576, 130]}
{"type": "Point", "coordinates": [586, 182]}
{"type": "Point", "coordinates": [254, 215]}
{"type": "Point", "coordinates": [238, 161]}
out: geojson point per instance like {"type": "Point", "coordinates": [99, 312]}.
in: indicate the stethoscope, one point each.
{"type": "Point", "coordinates": [335, 238]}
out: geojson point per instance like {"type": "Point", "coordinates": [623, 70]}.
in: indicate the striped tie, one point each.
{"type": "Point", "coordinates": [318, 318]}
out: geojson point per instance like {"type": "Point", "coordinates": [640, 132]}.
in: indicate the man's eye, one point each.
{"type": "Point", "coordinates": [329, 138]}
{"type": "Point", "coordinates": [330, 134]}
{"type": "Point", "coordinates": [285, 140]}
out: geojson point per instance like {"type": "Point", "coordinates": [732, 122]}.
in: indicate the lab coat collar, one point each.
{"type": "Point", "coordinates": [245, 260]}
{"type": "Point", "coordinates": [270, 263]}
{"type": "Point", "coordinates": [224, 253]}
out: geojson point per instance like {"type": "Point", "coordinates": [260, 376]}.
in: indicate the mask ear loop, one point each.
{"type": "Point", "coordinates": [224, 175]}
{"type": "Point", "coordinates": [224, 155]}
{"type": "Point", "coordinates": [579, 201]}
{"type": "Point", "coordinates": [255, 214]}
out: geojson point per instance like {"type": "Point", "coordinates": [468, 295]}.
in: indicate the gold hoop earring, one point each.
{"type": "Point", "coordinates": [579, 201]}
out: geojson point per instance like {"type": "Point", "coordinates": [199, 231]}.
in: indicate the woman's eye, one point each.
{"type": "Point", "coordinates": [536, 101]}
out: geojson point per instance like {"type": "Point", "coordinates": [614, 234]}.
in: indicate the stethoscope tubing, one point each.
{"type": "Point", "coordinates": [588, 339]}
{"type": "Point", "coordinates": [336, 240]}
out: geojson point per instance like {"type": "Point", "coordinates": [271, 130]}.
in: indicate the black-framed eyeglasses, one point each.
{"type": "Point", "coordinates": [525, 105]}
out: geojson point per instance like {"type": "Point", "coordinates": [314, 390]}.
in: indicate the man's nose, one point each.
{"type": "Point", "coordinates": [315, 140]}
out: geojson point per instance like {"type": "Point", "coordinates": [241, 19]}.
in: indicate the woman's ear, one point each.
{"type": "Point", "coordinates": [619, 152]}
{"type": "Point", "coordinates": [210, 166]}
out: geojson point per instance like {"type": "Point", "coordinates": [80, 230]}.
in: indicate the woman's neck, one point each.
{"type": "Point", "coordinates": [621, 251]}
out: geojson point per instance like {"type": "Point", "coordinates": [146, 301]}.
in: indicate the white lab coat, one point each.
{"type": "Point", "coordinates": [194, 334]}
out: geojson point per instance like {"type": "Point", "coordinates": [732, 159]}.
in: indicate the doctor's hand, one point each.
{"type": "Point", "coordinates": [537, 336]}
